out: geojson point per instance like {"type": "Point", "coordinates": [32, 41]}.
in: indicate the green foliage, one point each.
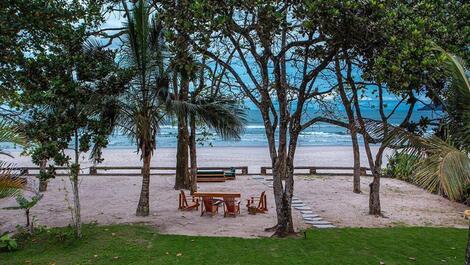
{"type": "Point", "coordinates": [40, 26]}
{"type": "Point", "coordinates": [24, 203]}
{"type": "Point", "coordinates": [8, 243]}
{"type": "Point", "coordinates": [142, 104]}
{"type": "Point", "coordinates": [401, 166]}
{"type": "Point", "coordinates": [134, 244]}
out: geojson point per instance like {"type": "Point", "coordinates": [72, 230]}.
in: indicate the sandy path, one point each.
{"type": "Point", "coordinates": [402, 203]}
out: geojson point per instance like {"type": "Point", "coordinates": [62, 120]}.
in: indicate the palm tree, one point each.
{"type": "Point", "coordinates": [141, 111]}
{"type": "Point", "coordinates": [220, 113]}
{"type": "Point", "coordinates": [223, 115]}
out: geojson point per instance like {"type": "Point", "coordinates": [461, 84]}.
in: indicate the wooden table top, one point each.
{"type": "Point", "coordinates": [217, 194]}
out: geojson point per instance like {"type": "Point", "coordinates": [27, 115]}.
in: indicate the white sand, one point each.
{"type": "Point", "coordinates": [109, 200]}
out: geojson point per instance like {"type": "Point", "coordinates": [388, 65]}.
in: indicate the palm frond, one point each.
{"type": "Point", "coordinates": [10, 183]}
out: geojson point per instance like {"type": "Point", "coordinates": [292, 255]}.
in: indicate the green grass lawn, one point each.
{"type": "Point", "coordinates": [136, 244]}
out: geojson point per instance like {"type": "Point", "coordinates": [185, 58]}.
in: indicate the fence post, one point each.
{"type": "Point", "coordinates": [363, 171]}
{"type": "Point", "coordinates": [93, 171]}
{"type": "Point", "coordinates": [263, 171]}
{"type": "Point", "coordinates": [244, 170]}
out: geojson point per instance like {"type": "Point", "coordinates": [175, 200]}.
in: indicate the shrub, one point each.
{"type": "Point", "coordinates": [401, 166]}
{"type": "Point", "coordinates": [8, 243]}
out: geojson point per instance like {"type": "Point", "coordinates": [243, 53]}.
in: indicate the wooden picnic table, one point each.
{"type": "Point", "coordinates": [217, 194]}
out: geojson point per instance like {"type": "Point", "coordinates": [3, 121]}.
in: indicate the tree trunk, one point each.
{"type": "Point", "coordinates": [143, 206]}
{"type": "Point", "coordinates": [182, 180]}
{"type": "Point", "coordinates": [357, 163]}
{"type": "Point", "coordinates": [352, 128]}
{"type": "Point", "coordinates": [75, 170]}
{"type": "Point", "coordinates": [42, 182]}
{"type": "Point", "coordinates": [374, 196]}
{"type": "Point", "coordinates": [192, 154]}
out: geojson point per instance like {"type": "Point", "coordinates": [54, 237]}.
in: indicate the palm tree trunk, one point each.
{"type": "Point", "coordinates": [182, 180]}
{"type": "Point", "coordinates": [192, 153]}
{"type": "Point", "coordinates": [42, 182]}
{"type": "Point", "coordinates": [143, 206]}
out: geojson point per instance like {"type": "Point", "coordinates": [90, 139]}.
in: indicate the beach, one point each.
{"type": "Point", "coordinates": [113, 199]}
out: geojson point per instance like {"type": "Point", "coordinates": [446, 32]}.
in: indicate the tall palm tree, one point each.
{"type": "Point", "coordinates": [141, 110]}
{"type": "Point", "coordinates": [224, 115]}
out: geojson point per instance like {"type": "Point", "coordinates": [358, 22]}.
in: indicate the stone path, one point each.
{"type": "Point", "coordinates": [308, 215]}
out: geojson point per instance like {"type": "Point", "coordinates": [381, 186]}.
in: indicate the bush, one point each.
{"type": "Point", "coordinates": [401, 166]}
{"type": "Point", "coordinates": [8, 243]}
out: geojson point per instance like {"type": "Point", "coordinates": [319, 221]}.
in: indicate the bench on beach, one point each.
{"type": "Point", "coordinates": [210, 175]}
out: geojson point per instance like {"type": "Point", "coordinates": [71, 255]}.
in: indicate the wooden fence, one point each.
{"type": "Point", "coordinates": [321, 171]}
{"type": "Point", "coordinates": [242, 170]}
{"type": "Point", "coordinates": [124, 170]}
{"type": "Point", "coordinates": [119, 170]}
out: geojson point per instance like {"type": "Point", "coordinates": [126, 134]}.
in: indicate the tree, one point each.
{"type": "Point", "coordinates": [39, 26]}
{"type": "Point", "coordinates": [85, 79]}
{"type": "Point", "coordinates": [26, 205]}
{"type": "Point", "coordinates": [211, 108]}
{"type": "Point", "coordinates": [394, 60]}
{"type": "Point", "coordinates": [143, 105]}
{"type": "Point", "coordinates": [281, 53]}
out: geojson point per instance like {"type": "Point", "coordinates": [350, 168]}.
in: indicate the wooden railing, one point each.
{"type": "Point", "coordinates": [321, 171]}
{"type": "Point", "coordinates": [119, 170]}
{"type": "Point", "coordinates": [96, 171]}
{"type": "Point", "coordinates": [241, 170]}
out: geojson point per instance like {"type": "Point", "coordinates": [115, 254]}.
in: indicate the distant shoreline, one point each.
{"type": "Point", "coordinates": [216, 147]}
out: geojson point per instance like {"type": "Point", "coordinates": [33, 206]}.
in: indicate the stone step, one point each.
{"type": "Point", "coordinates": [324, 226]}
{"type": "Point", "coordinates": [318, 222]}
{"type": "Point", "coordinates": [310, 216]}
{"type": "Point", "coordinates": [313, 219]}
{"type": "Point", "coordinates": [303, 208]}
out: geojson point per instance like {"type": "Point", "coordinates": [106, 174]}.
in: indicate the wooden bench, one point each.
{"type": "Point", "coordinates": [210, 176]}
{"type": "Point", "coordinates": [230, 175]}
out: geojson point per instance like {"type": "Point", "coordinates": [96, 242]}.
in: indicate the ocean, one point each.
{"type": "Point", "coordinates": [254, 134]}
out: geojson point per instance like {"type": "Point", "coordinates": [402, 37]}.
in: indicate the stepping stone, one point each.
{"type": "Point", "coordinates": [310, 216]}
{"type": "Point", "coordinates": [306, 212]}
{"type": "Point", "coordinates": [298, 204]}
{"type": "Point", "coordinates": [324, 226]}
{"type": "Point", "coordinates": [258, 177]}
{"type": "Point", "coordinates": [302, 208]}
{"type": "Point", "coordinates": [268, 179]}
{"type": "Point", "coordinates": [318, 222]}
{"type": "Point", "coordinates": [313, 219]}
